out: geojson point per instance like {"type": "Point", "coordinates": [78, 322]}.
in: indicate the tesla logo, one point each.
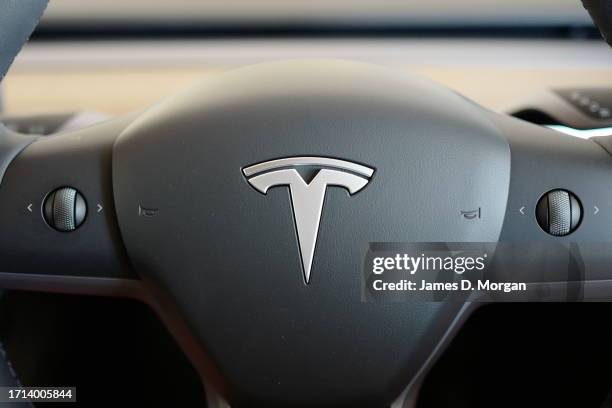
{"type": "Point", "coordinates": [307, 179]}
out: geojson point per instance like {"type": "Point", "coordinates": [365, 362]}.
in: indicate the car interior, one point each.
{"type": "Point", "coordinates": [193, 195]}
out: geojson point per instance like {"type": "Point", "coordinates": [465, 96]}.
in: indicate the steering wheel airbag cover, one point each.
{"type": "Point", "coordinates": [229, 257]}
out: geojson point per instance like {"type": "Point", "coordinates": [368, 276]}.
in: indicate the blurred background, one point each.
{"type": "Point", "coordinates": [116, 57]}
{"type": "Point", "coordinates": [316, 12]}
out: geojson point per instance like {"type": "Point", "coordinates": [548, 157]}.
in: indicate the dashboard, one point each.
{"type": "Point", "coordinates": [116, 77]}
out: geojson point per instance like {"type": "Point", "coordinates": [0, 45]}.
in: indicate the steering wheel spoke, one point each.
{"type": "Point", "coordinates": [558, 217]}
{"type": "Point", "coordinates": [59, 229]}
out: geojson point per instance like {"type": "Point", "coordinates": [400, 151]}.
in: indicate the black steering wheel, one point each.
{"type": "Point", "coordinates": [241, 210]}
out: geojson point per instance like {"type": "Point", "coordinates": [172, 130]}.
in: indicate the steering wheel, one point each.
{"type": "Point", "coordinates": [241, 209]}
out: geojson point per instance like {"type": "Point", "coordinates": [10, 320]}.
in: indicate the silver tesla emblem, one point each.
{"type": "Point", "coordinates": [308, 178]}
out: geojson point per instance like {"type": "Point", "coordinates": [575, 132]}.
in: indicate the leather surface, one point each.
{"type": "Point", "coordinates": [8, 378]}
{"type": "Point", "coordinates": [11, 144]}
{"type": "Point", "coordinates": [601, 13]}
{"type": "Point", "coordinates": [17, 21]}
{"type": "Point", "coordinates": [18, 18]}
